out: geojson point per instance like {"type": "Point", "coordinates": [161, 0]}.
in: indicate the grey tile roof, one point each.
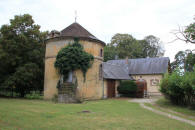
{"type": "Point", "coordinates": [144, 65]}
{"type": "Point", "coordinates": [111, 71]}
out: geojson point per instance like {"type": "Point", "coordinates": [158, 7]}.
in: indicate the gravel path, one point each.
{"type": "Point", "coordinates": [142, 101]}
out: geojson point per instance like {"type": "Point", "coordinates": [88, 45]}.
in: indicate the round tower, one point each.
{"type": "Point", "coordinates": [92, 88]}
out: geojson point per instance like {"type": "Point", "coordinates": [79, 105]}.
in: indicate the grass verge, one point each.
{"type": "Point", "coordinates": [166, 106]}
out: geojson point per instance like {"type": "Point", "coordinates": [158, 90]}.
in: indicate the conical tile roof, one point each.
{"type": "Point", "coordinates": [75, 30]}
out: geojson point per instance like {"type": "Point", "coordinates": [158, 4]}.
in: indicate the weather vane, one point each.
{"type": "Point", "coordinates": [75, 16]}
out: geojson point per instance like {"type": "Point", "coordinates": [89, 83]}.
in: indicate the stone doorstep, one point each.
{"type": "Point", "coordinates": [65, 98]}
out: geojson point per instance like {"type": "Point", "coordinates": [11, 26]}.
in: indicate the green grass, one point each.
{"type": "Point", "coordinates": [164, 103]}
{"type": "Point", "coordinates": [105, 114]}
{"type": "Point", "coordinates": [167, 110]}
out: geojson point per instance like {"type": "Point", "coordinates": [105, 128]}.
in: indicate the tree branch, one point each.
{"type": "Point", "coordinates": [182, 36]}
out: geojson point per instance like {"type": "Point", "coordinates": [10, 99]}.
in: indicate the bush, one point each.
{"type": "Point", "coordinates": [127, 88]}
{"type": "Point", "coordinates": [34, 95]}
{"type": "Point", "coordinates": [179, 88]}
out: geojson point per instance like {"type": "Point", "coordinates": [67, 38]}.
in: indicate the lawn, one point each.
{"type": "Point", "coordinates": [104, 114]}
{"type": "Point", "coordinates": [164, 103]}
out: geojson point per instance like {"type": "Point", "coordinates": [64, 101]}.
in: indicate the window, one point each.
{"type": "Point", "coordinates": [101, 52]}
{"type": "Point", "coordinates": [100, 72]}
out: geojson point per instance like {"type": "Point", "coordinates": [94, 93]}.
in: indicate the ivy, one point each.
{"type": "Point", "coordinates": [73, 57]}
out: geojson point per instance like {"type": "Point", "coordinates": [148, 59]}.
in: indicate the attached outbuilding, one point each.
{"type": "Point", "coordinates": [149, 69]}
{"type": "Point", "coordinates": [112, 75]}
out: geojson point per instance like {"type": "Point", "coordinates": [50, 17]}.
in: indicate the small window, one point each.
{"type": "Point", "coordinates": [154, 82]}
{"type": "Point", "coordinates": [100, 72]}
{"type": "Point", "coordinates": [101, 52]}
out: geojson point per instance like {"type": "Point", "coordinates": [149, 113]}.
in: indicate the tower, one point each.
{"type": "Point", "coordinates": [92, 88]}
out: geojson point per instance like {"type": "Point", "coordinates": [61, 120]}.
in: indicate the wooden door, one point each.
{"type": "Point", "coordinates": [111, 88]}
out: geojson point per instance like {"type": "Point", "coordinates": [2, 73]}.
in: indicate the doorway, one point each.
{"type": "Point", "coordinates": [111, 88]}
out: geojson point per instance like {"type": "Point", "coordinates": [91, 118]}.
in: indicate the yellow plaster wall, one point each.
{"type": "Point", "coordinates": [91, 88]}
{"type": "Point", "coordinates": [51, 79]}
{"type": "Point", "coordinates": [53, 47]}
{"type": "Point", "coordinates": [152, 90]}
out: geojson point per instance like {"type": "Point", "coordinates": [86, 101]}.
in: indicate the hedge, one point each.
{"type": "Point", "coordinates": [179, 88]}
{"type": "Point", "coordinates": [127, 88]}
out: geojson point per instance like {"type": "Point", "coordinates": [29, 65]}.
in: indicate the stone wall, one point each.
{"type": "Point", "coordinates": [152, 82]}
{"type": "Point", "coordinates": [91, 88]}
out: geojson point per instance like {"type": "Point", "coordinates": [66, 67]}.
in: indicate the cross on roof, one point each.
{"type": "Point", "coordinates": [76, 16]}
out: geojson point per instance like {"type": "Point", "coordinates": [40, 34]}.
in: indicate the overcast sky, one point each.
{"type": "Point", "coordinates": [104, 18]}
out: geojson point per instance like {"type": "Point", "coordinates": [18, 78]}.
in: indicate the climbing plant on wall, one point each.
{"type": "Point", "coordinates": [73, 57]}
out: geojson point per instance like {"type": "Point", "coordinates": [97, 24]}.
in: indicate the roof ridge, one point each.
{"type": "Point", "coordinates": [148, 58]}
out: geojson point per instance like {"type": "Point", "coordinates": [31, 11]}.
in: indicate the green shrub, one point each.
{"type": "Point", "coordinates": [73, 57]}
{"type": "Point", "coordinates": [179, 88]}
{"type": "Point", "coordinates": [127, 88]}
{"type": "Point", "coordinates": [34, 95]}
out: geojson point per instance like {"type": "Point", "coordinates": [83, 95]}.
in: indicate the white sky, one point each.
{"type": "Point", "coordinates": [104, 18]}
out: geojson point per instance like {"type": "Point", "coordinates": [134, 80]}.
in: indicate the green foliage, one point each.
{"type": "Point", "coordinates": [22, 51]}
{"type": "Point", "coordinates": [184, 60]}
{"type": "Point", "coordinates": [152, 46]}
{"type": "Point", "coordinates": [34, 95]}
{"type": "Point", "coordinates": [110, 52]}
{"type": "Point", "coordinates": [125, 45]}
{"type": "Point", "coordinates": [127, 88]}
{"type": "Point", "coordinates": [179, 88]}
{"type": "Point", "coordinates": [190, 33]}
{"type": "Point", "coordinates": [190, 61]}
{"type": "Point", "coordinates": [73, 57]}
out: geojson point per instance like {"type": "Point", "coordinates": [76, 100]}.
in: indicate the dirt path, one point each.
{"type": "Point", "coordinates": [142, 101]}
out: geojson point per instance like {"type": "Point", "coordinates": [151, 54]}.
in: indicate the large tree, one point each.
{"type": "Point", "coordinates": [125, 45]}
{"type": "Point", "coordinates": [22, 55]}
{"type": "Point", "coordinates": [152, 46]}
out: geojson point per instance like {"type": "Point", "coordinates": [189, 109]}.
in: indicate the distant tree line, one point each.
{"type": "Point", "coordinates": [125, 45]}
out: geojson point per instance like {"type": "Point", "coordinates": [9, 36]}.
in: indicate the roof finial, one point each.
{"type": "Point", "coordinates": [75, 16]}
